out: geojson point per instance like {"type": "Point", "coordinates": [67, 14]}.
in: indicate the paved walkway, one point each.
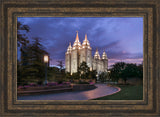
{"type": "Point", "coordinates": [100, 91]}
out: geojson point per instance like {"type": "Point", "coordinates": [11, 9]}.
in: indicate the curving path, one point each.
{"type": "Point", "coordinates": [100, 91]}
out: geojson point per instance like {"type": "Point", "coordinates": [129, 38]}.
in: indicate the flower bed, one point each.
{"type": "Point", "coordinates": [50, 85]}
{"type": "Point", "coordinates": [49, 88]}
{"type": "Point", "coordinates": [53, 88]}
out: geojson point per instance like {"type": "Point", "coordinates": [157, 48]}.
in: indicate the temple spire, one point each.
{"type": "Point", "coordinates": [85, 37]}
{"type": "Point", "coordinates": [85, 43]}
{"type": "Point", "coordinates": [77, 37]}
{"type": "Point", "coordinates": [104, 55]}
{"type": "Point", "coordinates": [96, 55]}
{"type": "Point", "coordinates": [77, 43]}
{"type": "Point", "coordinates": [70, 44]}
{"type": "Point", "coordinates": [69, 48]}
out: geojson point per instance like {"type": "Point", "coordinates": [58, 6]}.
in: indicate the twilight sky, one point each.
{"type": "Point", "coordinates": [120, 37]}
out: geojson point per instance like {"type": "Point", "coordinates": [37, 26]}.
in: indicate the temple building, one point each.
{"type": "Point", "coordinates": [78, 53]}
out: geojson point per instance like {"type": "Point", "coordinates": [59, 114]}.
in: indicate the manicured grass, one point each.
{"type": "Point", "coordinates": [128, 92]}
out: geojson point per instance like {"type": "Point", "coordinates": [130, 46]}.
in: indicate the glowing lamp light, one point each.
{"type": "Point", "coordinates": [45, 58]}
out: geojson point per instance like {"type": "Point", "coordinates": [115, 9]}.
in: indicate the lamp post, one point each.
{"type": "Point", "coordinates": [46, 62]}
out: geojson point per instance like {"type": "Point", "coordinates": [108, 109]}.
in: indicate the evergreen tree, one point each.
{"type": "Point", "coordinates": [83, 70]}
{"type": "Point", "coordinates": [22, 39]}
{"type": "Point", "coordinates": [32, 61]}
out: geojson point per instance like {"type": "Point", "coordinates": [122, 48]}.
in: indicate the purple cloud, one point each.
{"type": "Point", "coordinates": [120, 37]}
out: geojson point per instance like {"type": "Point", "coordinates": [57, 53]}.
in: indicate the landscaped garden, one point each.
{"type": "Point", "coordinates": [128, 77]}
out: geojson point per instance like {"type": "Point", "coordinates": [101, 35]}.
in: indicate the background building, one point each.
{"type": "Point", "coordinates": [83, 52]}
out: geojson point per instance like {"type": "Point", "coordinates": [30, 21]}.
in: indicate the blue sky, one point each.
{"type": "Point", "coordinates": [120, 37]}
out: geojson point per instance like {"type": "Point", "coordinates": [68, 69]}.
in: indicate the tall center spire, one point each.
{"type": "Point", "coordinates": [77, 37]}
{"type": "Point", "coordinates": [77, 43]}
{"type": "Point", "coordinates": [85, 37]}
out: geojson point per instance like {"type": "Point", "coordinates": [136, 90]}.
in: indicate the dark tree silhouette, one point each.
{"type": "Point", "coordinates": [83, 69]}
{"type": "Point", "coordinates": [126, 71]}
{"type": "Point", "coordinates": [103, 76]}
{"type": "Point", "coordinates": [32, 64]}
{"type": "Point", "coordinates": [116, 70]}
{"type": "Point", "coordinates": [93, 74]}
{"type": "Point", "coordinates": [60, 65]}
{"type": "Point", "coordinates": [22, 39]}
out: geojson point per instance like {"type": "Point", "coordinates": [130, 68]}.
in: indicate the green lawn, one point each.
{"type": "Point", "coordinates": [128, 92]}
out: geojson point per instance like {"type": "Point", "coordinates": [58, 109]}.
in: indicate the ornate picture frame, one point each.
{"type": "Point", "coordinates": [10, 10]}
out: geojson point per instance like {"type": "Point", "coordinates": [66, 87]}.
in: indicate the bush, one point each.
{"type": "Point", "coordinates": [66, 83]}
{"type": "Point", "coordinates": [83, 83]}
{"type": "Point", "coordinates": [20, 87]}
{"type": "Point", "coordinates": [27, 86]}
{"type": "Point", "coordinates": [103, 76]}
{"type": "Point", "coordinates": [75, 75]}
{"type": "Point", "coordinates": [52, 84]}
{"type": "Point", "coordinates": [91, 83]}
{"type": "Point", "coordinates": [39, 82]}
{"type": "Point", "coordinates": [32, 84]}
{"type": "Point", "coordinates": [60, 82]}
{"type": "Point", "coordinates": [68, 75]}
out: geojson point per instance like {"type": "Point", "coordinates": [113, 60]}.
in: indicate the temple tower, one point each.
{"type": "Point", "coordinates": [97, 62]}
{"type": "Point", "coordinates": [86, 53]}
{"type": "Point", "coordinates": [105, 61]}
{"type": "Point", "coordinates": [75, 53]}
{"type": "Point", "coordinates": [68, 58]}
{"type": "Point", "coordinates": [78, 53]}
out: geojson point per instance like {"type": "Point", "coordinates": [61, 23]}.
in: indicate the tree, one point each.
{"type": "Point", "coordinates": [68, 76]}
{"type": "Point", "coordinates": [103, 76]}
{"type": "Point", "coordinates": [18, 73]}
{"type": "Point", "coordinates": [75, 76]}
{"type": "Point", "coordinates": [115, 72]}
{"type": "Point", "coordinates": [25, 65]}
{"type": "Point", "coordinates": [60, 65]}
{"type": "Point", "coordinates": [93, 74]}
{"type": "Point", "coordinates": [37, 55]}
{"type": "Point", "coordinates": [140, 71]}
{"type": "Point", "coordinates": [32, 63]}
{"type": "Point", "coordinates": [130, 71]}
{"type": "Point", "coordinates": [108, 75]}
{"type": "Point", "coordinates": [83, 70]}
{"type": "Point", "coordinates": [126, 71]}
{"type": "Point", "coordinates": [22, 39]}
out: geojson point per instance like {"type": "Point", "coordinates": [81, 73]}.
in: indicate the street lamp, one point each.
{"type": "Point", "coordinates": [46, 62]}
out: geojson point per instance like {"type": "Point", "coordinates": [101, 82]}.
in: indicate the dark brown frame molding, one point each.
{"type": "Point", "coordinates": [11, 9]}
